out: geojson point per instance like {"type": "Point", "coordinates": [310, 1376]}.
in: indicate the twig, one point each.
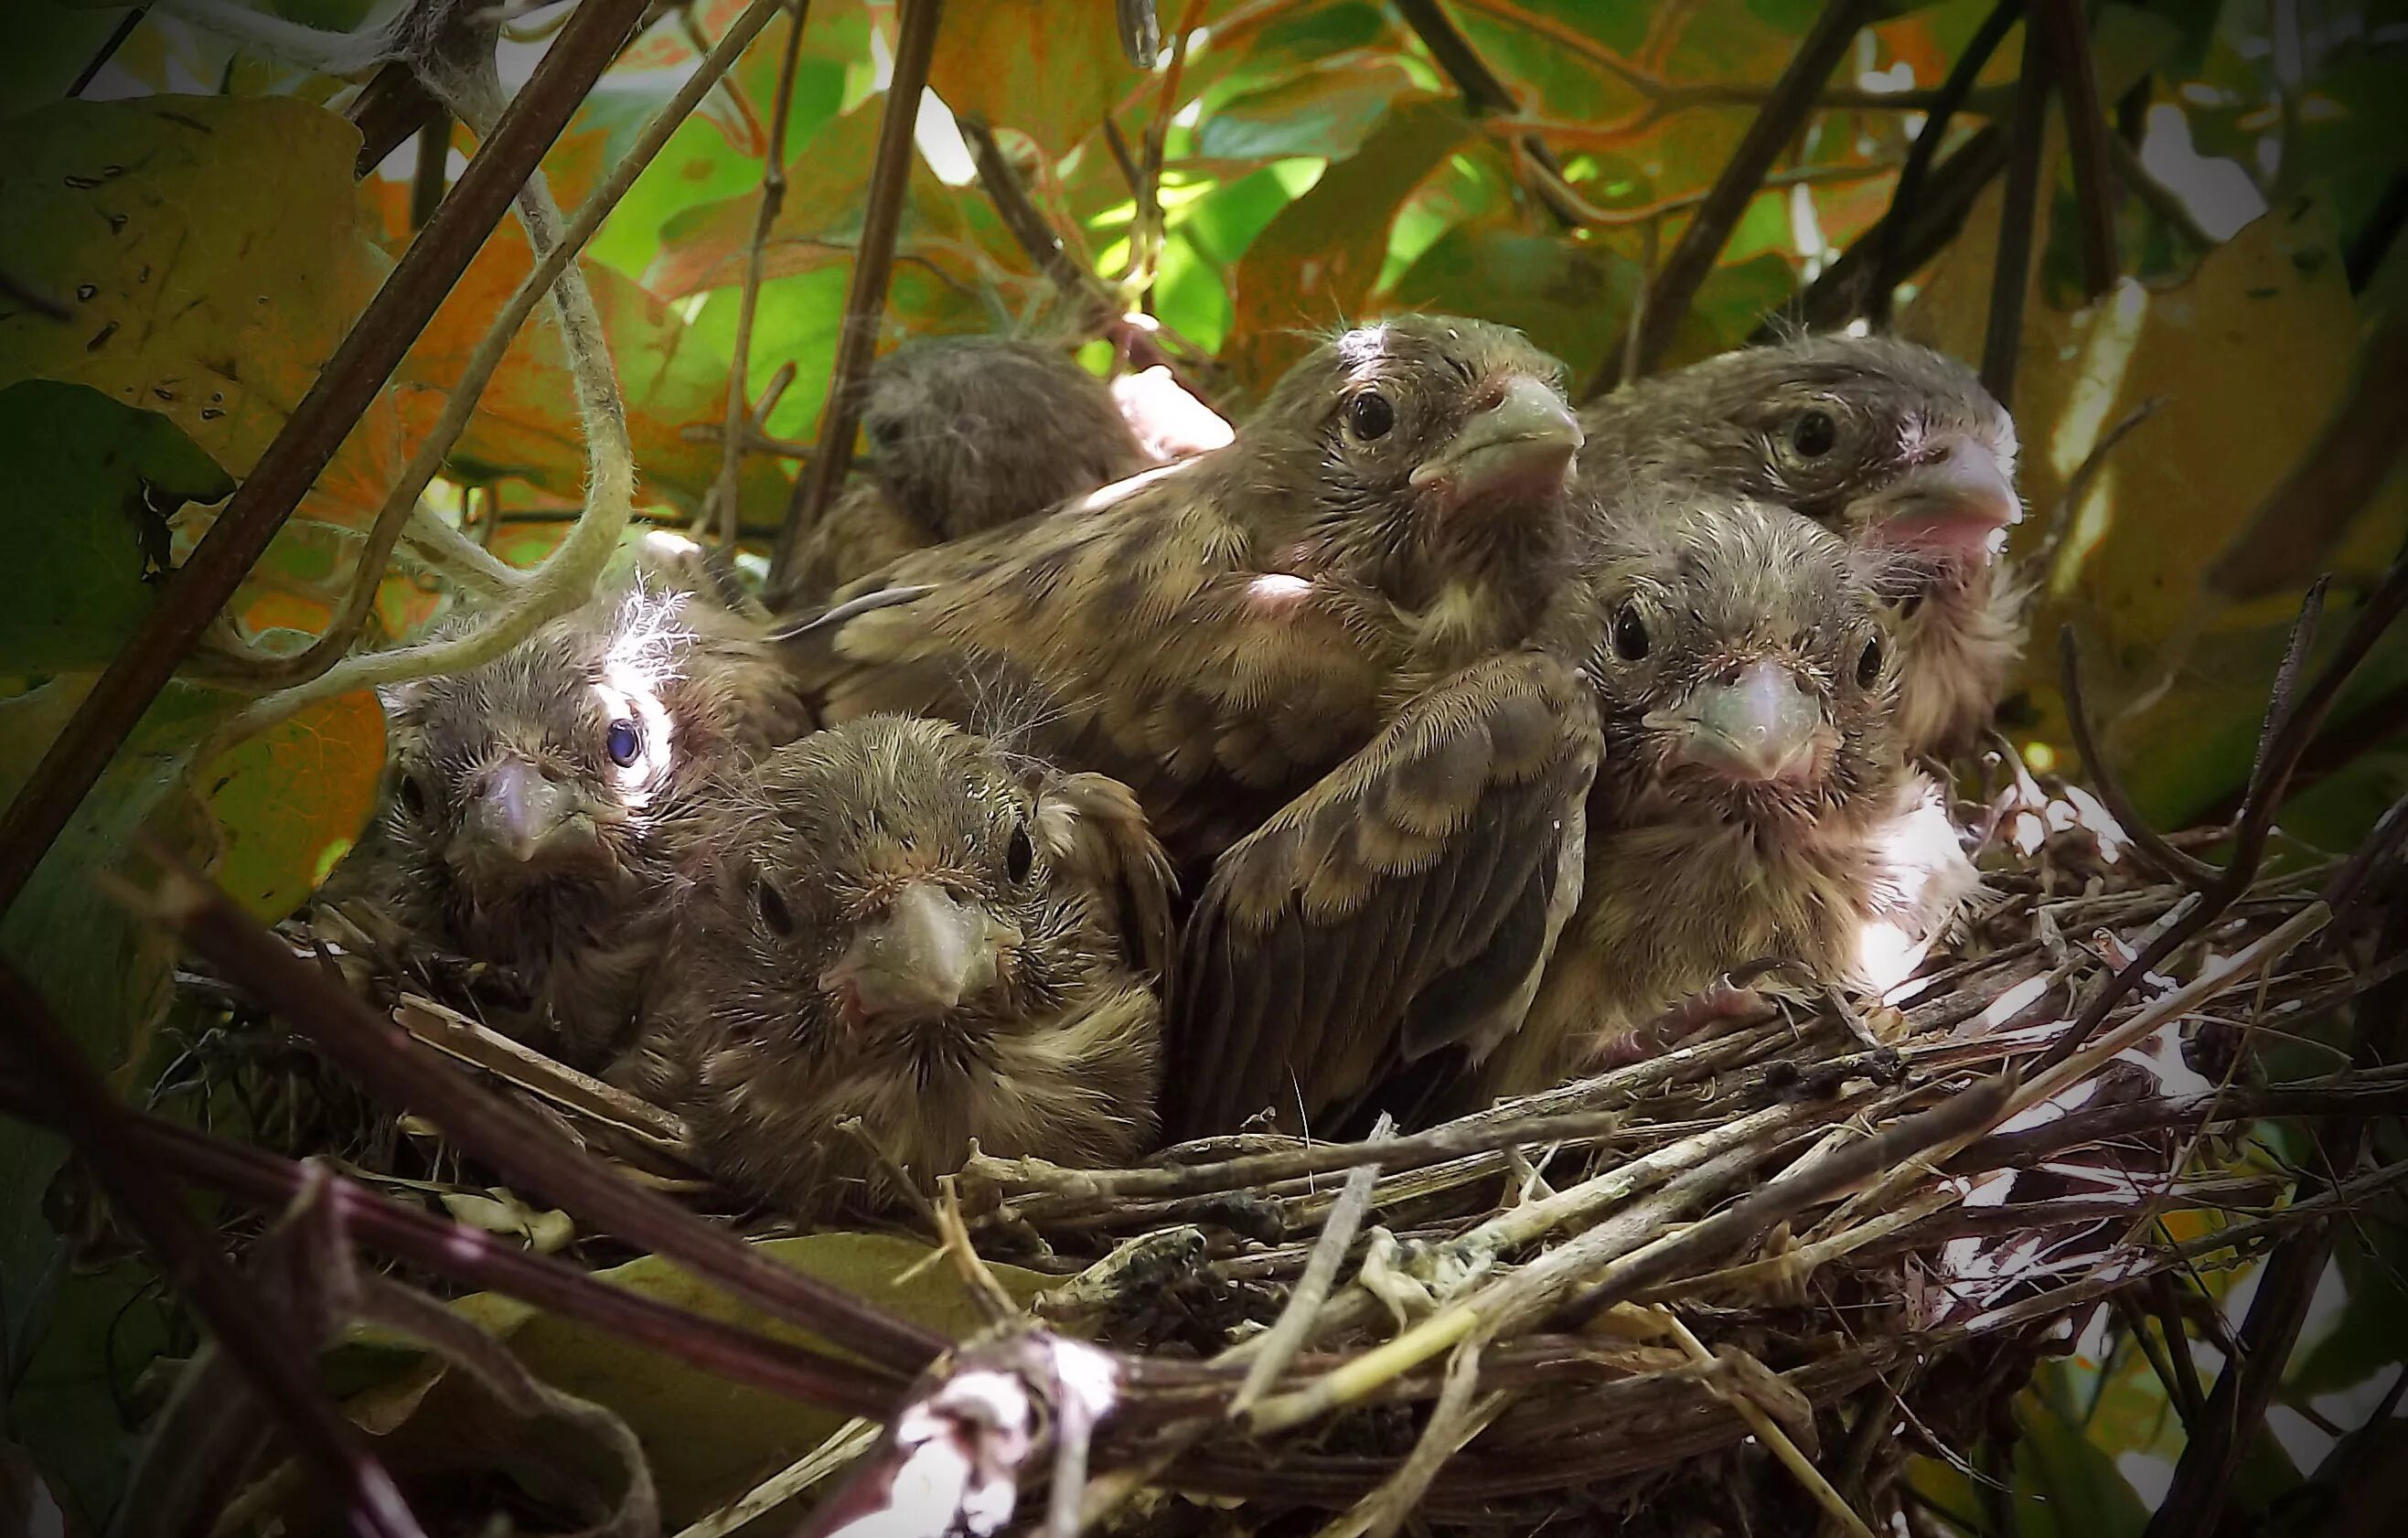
{"type": "Point", "coordinates": [502, 1133]}
{"type": "Point", "coordinates": [1030, 229]}
{"type": "Point", "coordinates": [773, 198]}
{"type": "Point", "coordinates": [428, 177]}
{"type": "Point", "coordinates": [2180, 1389]}
{"type": "Point", "coordinates": [1296, 1321]}
{"type": "Point", "coordinates": [1889, 267]}
{"type": "Point", "coordinates": [1770, 1433]}
{"type": "Point", "coordinates": [1695, 254]}
{"type": "Point", "coordinates": [282, 1376]}
{"type": "Point", "coordinates": [2074, 73]}
{"type": "Point", "coordinates": [475, 1258]}
{"type": "Point", "coordinates": [2162, 199]}
{"type": "Point", "coordinates": [116, 39]}
{"type": "Point", "coordinates": [2077, 486]}
{"type": "Point", "coordinates": [2146, 841]}
{"type": "Point", "coordinates": [1454, 1419]}
{"type": "Point", "coordinates": [864, 304]}
{"type": "Point", "coordinates": [1646, 215]}
{"type": "Point", "coordinates": [1140, 33]}
{"type": "Point", "coordinates": [1487, 96]}
{"type": "Point", "coordinates": [307, 441]}
{"type": "Point", "coordinates": [2018, 224]}
{"type": "Point", "coordinates": [1846, 287]}
{"type": "Point", "coordinates": [2246, 1390]}
{"type": "Point", "coordinates": [751, 440]}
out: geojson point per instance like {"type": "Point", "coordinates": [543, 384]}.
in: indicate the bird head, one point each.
{"type": "Point", "coordinates": [1429, 448]}
{"type": "Point", "coordinates": [966, 433]}
{"type": "Point", "coordinates": [1742, 665]}
{"type": "Point", "coordinates": [550, 772]}
{"type": "Point", "coordinates": [1885, 442]}
{"type": "Point", "coordinates": [906, 889]}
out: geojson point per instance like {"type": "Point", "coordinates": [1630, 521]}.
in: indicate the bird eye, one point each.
{"type": "Point", "coordinates": [623, 742]}
{"type": "Point", "coordinates": [411, 793]}
{"type": "Point", "coordinates": [1629, 635]}
{"type": "Point", "coordinates": [1813, 435]}
{"type": "Point", "coordinates": [1370, 416]}
{"type": "Point", "coordinates": [779, 918]}
{"type": "Point", "coordinates": [1019, 856]}
{"type": "Point", "coordinates": [1869, 667]}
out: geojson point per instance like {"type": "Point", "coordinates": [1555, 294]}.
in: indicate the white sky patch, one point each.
{"type": "Point", "coordinates": [940, 142]}
{"type": "Point", "coordinates": [2217, 190]}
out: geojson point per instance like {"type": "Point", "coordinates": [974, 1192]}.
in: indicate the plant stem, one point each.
{"type": "Point", "coordinates": [773, 198]}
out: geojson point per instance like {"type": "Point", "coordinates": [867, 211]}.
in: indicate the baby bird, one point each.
{"type": "Point", "coordinates": [1887, 444]}
{"type": "Point", "coordinates": [537, 810]}
{"type": "Point", "coordinates": [1753, 803]}
{"type": "Point", "coordinates": [965, 434]}
{"type": "Point", "coordinates": [1222, 633]}
{"type": "Point", "coordinates": [912, 927]}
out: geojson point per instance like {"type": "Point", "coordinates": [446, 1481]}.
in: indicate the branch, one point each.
{"type": "Point", "coordinates": [773, 198]}
{"type": "Point", "coordinates": [474, 1258]}
{"type": "Point", "coordinates": [2075, 74]}
{"type": "Point", "coordinates": [1849, 284]}
{"type": "Point", "coordinates": [1294, 1324]}
{"type": "Point", "coordinates": [1487, 96]}
{"type": "Point", "coordinates": [108, 47]}
{"type": "Point", "coordinates": [283, 1377]}
{"type": "Point", "coordinates": [864, 306]}
{"type": "Point", "coordinates": [2149, 843]}
{"type": "Point", "coordinates": [343, 389]}
{"type": "Point", "coordinates": [1702, 244]}
{"type": "Point", "coordinates": [1890, 264]}
{"type": "Point", "coordinates": [1031, 230]}
{"type": "Point", "coordinates": [2010, 274]}
{"type": "Point", "coordinates": [499, 1131]}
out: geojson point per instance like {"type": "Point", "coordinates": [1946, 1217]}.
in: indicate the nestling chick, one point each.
{"type": "Point", "coordinates": [913, 928]}
{"type": "Point", "coordinates": [537, 809]}
{"type": "Point", "coordinates": [965, 434]}
{"type": "Point", "coordinates": [1753, 804]}
{"type": "Point", "coordinates": [1220, 632]}
{"type": "Point", "coordinates": [1885, 443]}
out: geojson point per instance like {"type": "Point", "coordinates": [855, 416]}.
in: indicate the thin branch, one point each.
{"type": "Point", "coordinates": [773, 199]}
{"type": "Point", "coordinates": [1296, 1321]}
{"type": "Point", "coordinates": [282, 1375]}
{"type": "Point", "coordinates": [1847, 286]}
{"type": "Point", "coordinates": [488, 1127]}
{"type": "Point", "coordinates": [2075, 75]}
{"type": "Point", "coordinates": [1890, 267]}
{"type": "Point", "coordinates": [342, 391]}
{"type": "Point", "coordinates": [1702, 244]}
{"type": "Point", "coordinates": [1770, 1433]}
{"type": "Point", "coordinates": [1646, 214]}
{"type": "Point", "coordinates": [429, 176]}
{"type": "Point", "coordinates": [2060, 521]}
{"type": "Point", "coordinates": [99, 60]}
{"type": "Point", "coordinates": [2018, 224]}
{"type": "Point", "coordinates": [1140, 33]}
{"type": "Point", "coordinates": [865, 304]}
{"type": "Point", "coordinates": [1487, 96]}
{"type": "Point", "coordinates": [2145, 839]}
{"type": "Point", "coordinates": [1034, 234]}
{"type": "Point", "coordinates": [2162, 200]}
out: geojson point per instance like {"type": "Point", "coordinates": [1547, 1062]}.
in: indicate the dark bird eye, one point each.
{"type": "Point", "coordinates": [623, 742]}
{"type": "Point", "coordinates": [1370, 416]}
{"type": "Point", "coordinates": [1019, 856]}
{"type": "Point", "coordinates": [1629, 635]}
{"type": "Point", "coordinates": [411, 793]}
{"type": "Point", "coordinates": [1815, 434]}
{"type": "Point", "coordinates": [1869, 667]}
{"type": "Point", "coordinates": [774, 912]}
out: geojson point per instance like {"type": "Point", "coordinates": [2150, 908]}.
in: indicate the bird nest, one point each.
{"type": "Point", "coordinates": [1731, 1285]}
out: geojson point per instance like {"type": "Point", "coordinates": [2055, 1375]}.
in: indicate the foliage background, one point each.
{"type": "Point", "coordinates": [196, 212]}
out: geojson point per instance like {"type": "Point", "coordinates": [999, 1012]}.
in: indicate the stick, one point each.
{"type": "Point", "coordinates": [1295, 1325]}
{"type": "Point", "coordinates": [1890, 267]}
{"type": "Point", "coordinates": [2011, 275]}
{"type": "Point", "coordinates": [864, 306]}
{"type": "Point", "coordinates": [2075, 74]}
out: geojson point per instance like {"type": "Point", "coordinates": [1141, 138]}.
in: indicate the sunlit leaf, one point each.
{"type": "Point", "coordinates": [210, 251]}
{"type": "Point", "coordinates": [1328, 110]}
{"type": "Point", "coordinates": [1570, 297]}
{"type": "Point", "coordinates": [1050, 68]}
{"type": "Point", "coordinates": [291, 800]}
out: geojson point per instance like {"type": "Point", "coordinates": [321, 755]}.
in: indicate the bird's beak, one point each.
{"type": "Point", "coordinates": [1958, 507]}
{"type": "Point", "coordinates": [1757, 725]}
{"type": "Point", "coordinates": [1521, 440]}
{"type": "Point", "coordinates": [524, 825]}
{"type": "Point", "coordinates": [922, 956]}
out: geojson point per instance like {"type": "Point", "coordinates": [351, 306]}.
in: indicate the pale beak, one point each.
{"type": "Point", "coordinates": [1957, 507]}
{"type": "Point", "coordinates": [922, 957]}
{"type": "Point", "coordinates": [1758, 725]}
{"type": "Point", "coordinates": [1523, 441]}
{"type": "Point", "coordinates": [523, 824]}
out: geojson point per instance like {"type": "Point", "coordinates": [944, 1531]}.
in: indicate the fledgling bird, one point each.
{"type": "Point", "coordinates": [1888, 444]}
{"type": "Point", "coordinates": [912, 927]}
{"type": "Point", "coordinates": [1220, 632]}
{"type": "Point", "coordinates": [965, 434]}
{"type": "Point", "coordinates": [538, 809]}
{"type": "Point", "coordinates": [1753, 802]}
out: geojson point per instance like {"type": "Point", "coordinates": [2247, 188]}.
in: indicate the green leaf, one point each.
{"type": "Point", "coordinates": [1313, 266]}
{"type": "Point", "coordinates": [1570, 297]}
{"type": "Point", "coordinates": [290, 801]}
{"type": "Point", "coordinates": [2371, 1336]}
{"type": "Point", "coordinates": [89, 487]}
{"type": "Point", "coordinates": [709, 1441]}
{"type": "Point", "coordinates": [2066, 1486]}
{"type": "Point", "coordinates": [210, 251]}
{"type": "Point", "coordinates": [1328, 110]}
{"type": "Point", "coordinates": [1050, 68]}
